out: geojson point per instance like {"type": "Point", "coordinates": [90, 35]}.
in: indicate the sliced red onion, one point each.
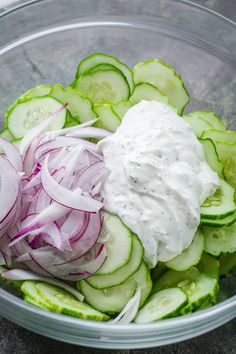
{"type": "Point", "coordinates": [20, 274]}
{"type": "Point", "coordinates": [12, 154]}
{"type": "Point", "coordinates": [130, 310]}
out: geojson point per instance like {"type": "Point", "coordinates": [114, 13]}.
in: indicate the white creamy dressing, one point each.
{"type": "Point", "coordinates": [158, 179]}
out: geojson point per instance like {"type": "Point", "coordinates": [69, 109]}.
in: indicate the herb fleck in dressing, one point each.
{"type": "Point", "coordinates": [158, 180]}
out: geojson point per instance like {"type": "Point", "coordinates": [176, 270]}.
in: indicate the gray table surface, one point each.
{"type": "Point", "coordinates": [14, 339]}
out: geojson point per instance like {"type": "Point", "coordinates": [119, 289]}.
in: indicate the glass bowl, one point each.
{"type": "Point", "coordinates": [41, 42]}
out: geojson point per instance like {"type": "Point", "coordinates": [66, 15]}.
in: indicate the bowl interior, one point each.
{"type": "Point", "coordinates": [47, 47]}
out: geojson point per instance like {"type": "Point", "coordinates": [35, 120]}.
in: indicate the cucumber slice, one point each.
{"type": "Point", "coordinates": [208, 117]}
{"type": "Point", "coordinates": [227, 154]}
{"type": "Point", "coordinates": [146, 91]}
{"type": "Point", "coordinates": [79, 107]}
{"type": "Point", "coordinates": [190, 256]}
{"type": "Point", "coordinates": [212, 157]}
{"type": "Point", "coordinates": [101, 67]}
{"type": "Point", "coordinates": [38, 91]}
{"type": "Point", "coordinates": [108, 119]}
{"type": "Point", "coordinates": [14, 283]}
{"type": "Point", "coordinates": [32, 302]}
{"type": "Point", "coordinates": [121, 108]}
{"type": "Point", "coordinates": [25, 115]}
{"type": "Point", "coordinates": [163, 76]}
{"type": "Point", "coordinates": [120, 275]}
{"type": "Point", "coordinates": [103, 86]}
{"type": "Point", "coordinates": [198, 286]}
{"type": "Point", "coordinates": [220, 240]}
{"type": "Point", "coordinates": [164, 304]}
{"type": "Point", "coordinates": [227, 136]}
{"type": "Point", "coordinates": [119, 245]}
{"type": "Point", "coordinates": [61, 301]}
{"type": "Point", "coordinates": [227, 221]}
{"type": "Point", "coordinates": [227, 264]}
{"type": "Point", "coordinates": [114, 299]}
{"type": "Point", "coordinates": [6, 135]}
{"type": "Point", "coordinates": [101, 58]}
{"type": "Point", "coordinates": [209, 265]}
{"type": "Point", "coordinates": [221, 204]}
{"type": "Point", "coordinates": [71, 123]}
{"type": "Point", "coordinates": [198, 125]}
{"type": "Point", "coordinates": [31, 295]}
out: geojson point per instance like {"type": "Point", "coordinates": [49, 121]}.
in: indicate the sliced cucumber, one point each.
{"type": "Point", "coordinates": [209, 265]}
{"type": "Point", "coordinates": [6, 135]}
{"type": "Point", "coordinates": [14, 283]}
{"type": "Point", "coordinates": [227, 221]}
{"type": "Point", "coordinates": [121, 108]}
{"type": "Point", "coordinates": [38, 91]}
{"type": "Point", "coordinates": [119, 245]}
{"type": "Point", "coordinates": [190, 256]}
{"type": "Point", "coordinates": [108, 119]}
{"type": "Point", "coordinates": [212, 157]}
{"type": "Point", "coordinates": [79, 107]}
{"type": "Point", "coordinates": [25, 115]}
{"type": "Point", "coordinates": [227, 154]}
{"type": "Point", "coordinates": [31, 295]}
{"type": "Point", "coordinates": [101, 58]}
{"type": "Point", "coordinates": [221, 204]}
{"type": "Point", "coordinates": [163, 76]}
{"type": "Point", "coordinates": [103, 86]}
{"type": "Point", "coordinates": [122, 274]}
{"type": "Point", "coordinates": [163, 304]}
{"type": "Point", "coordinates": [114, 299]}
{"type": "Point", "coordinates": [198, 286]}
{"type": "Point", "coordinates": [33, 302]}
{"type": "Point", "coordinates": [220, 240]}
{"type": "Point", "coordinates": [146, 91]}
{"type": "Point", "coordinates": [101, 67]}
{"type": "Point", "coordinates": [158, 271]}
{"type": "Point", "coordinates": [111, 300]}
{"type": "Point", "coordinates": [61, 301]}
{"type": "Point", "coordinates": [198, 125]}
{"type": "Point", "coordinates": [227, 264]}
{"type": "Point", "coordinates": [209, 117]}
{"type": "Point", "coordinates": [224, 136]}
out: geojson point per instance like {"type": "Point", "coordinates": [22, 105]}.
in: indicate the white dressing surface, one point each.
{"type": "Point", "coordinates": [158, 179]}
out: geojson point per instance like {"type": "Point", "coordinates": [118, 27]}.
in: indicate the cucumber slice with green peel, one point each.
{"type": "Point", "coordinates": [102, 67]}
{"type": "Point", "coordinates": [190, 256]}
{"type": "Point", "coordinates": [222, 136]}
{"type": "Point", "coordinates": [61, 301]}
{"type": "Point", "coordinates": [212, 157]}
{"type": "Point", "coordinates": [227, 264]}
{"type": "Point", "coordinates": [148, 92]}
{"type": "Point", "coordinates": [121, 108]}
{"type": "Point", "coordinates": [220, 240]}
{"type": "Point", "coordinates": [101, 58]}
{"type": "Point", "coordinates": [14, 283]}
{"type": "Point", "coordinates": [108, 119]}
{"type": "Point", "coordinates": [31, 295]}
{"type": "Point", "coordinates": [79, 107]}
{"type": "Point", "coordinates": [208, 117]}
{"type": "Point", "coordinates": [227, 221]}
{"type": "Point", "coordinates": [209, 265]}
{"type": "Point", "coordinates": [113, 300]}
{"type": "Point", "coordinates": [38, 91]}
{"type": "Point", "coordinates": [221, 204]}
{"type": "Point", "coordinates": [198, 125]}
{"type": "Point", "coordinates": [165, 303]}
{"type": "Point", "coordinates": [103, 86]}
{"type": "Point", "coordinates": [27, 114]}
{"type": "Point", "coordinates": [198, 286]}
{"type": "Point", "coordinates": [71, 123]}
{"type": "Point", "coordinates": [118, 247]}
{"type": "Point", "coordinates": [163, 76]}
{"type": "Point", "coordinates": [32, 302]}
{"type": "Point", "coordinates": [227, 154]}
{"type": "Point", "coordinates": [6, 134]}
{"type": "Point", "coordinates": [122, 274]}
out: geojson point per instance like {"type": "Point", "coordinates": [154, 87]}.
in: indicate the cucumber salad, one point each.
{"type": "Point", "coordinates": [115, 205]}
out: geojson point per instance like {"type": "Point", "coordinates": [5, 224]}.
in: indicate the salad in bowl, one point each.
{"type": "Point", "coordinates": [116, 206]}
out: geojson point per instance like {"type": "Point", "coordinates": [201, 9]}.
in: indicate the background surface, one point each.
{"type": "Point", "coordinates": [14, 339]}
